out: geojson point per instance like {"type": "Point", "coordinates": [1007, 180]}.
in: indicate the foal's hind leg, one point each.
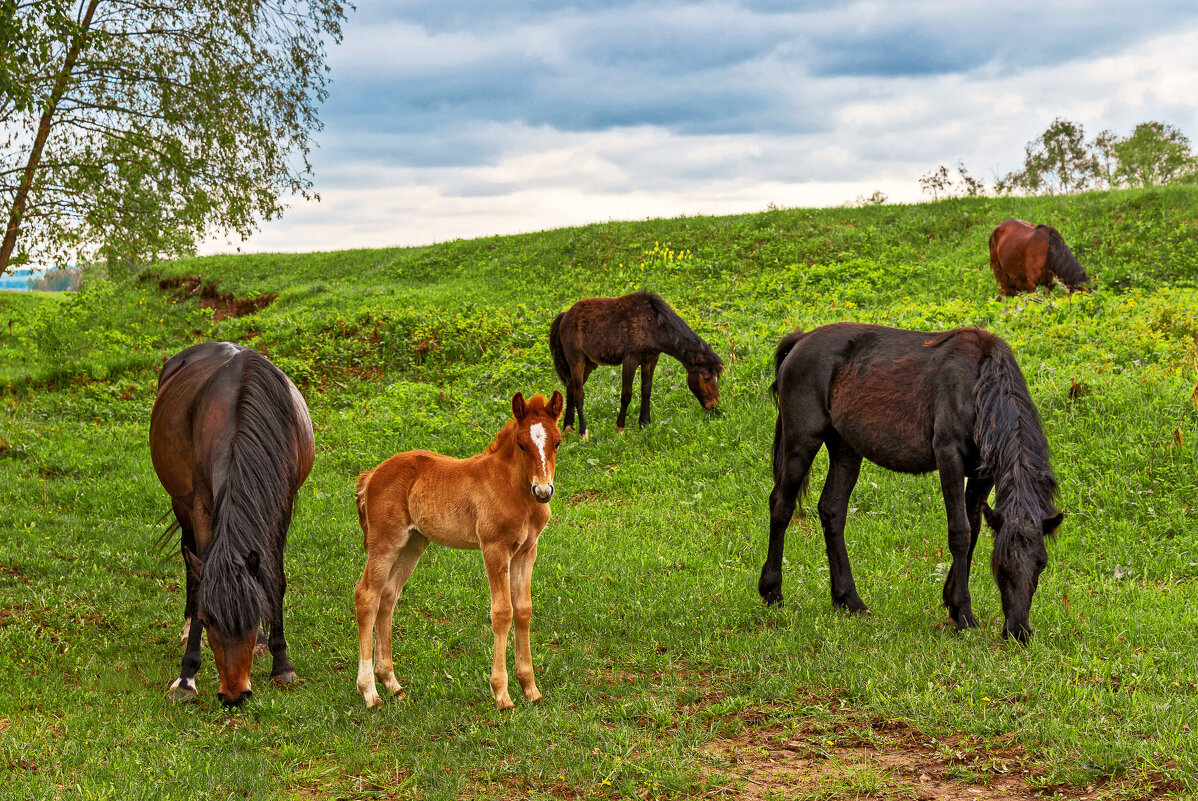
{"type": "Point", "coordinates": [405, 563]}
{"type": "Point", "coordinates": [383, 550]}
{"type": "Point", "coordinates": [843, 468]}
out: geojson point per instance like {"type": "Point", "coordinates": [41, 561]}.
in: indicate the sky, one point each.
{"type": "Point", "coordinates": [471, 118]}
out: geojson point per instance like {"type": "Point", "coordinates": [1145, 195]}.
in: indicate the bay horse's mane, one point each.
{"type": "Point", "coordinates": [1061, 261]}
{"type": "Point", "coordinates": [681, 340]}
{"type": "Point", "coordinates": [252, 507]}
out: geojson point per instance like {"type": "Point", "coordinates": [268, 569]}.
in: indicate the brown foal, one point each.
{"type": "Point", "coordinates": [497, 502]}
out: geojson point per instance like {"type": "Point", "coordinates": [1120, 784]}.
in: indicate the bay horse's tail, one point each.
{"type": "Point", "coordinates": [252, 509]}
{"type": "Point", "coordinates": [559, 354]}
{"type": "Point", "coordinates": [1013, 451]}
{"type": "Point", "coordinates": [1063, 264]}
{"type": "Point", "coordinates": [784, 348]}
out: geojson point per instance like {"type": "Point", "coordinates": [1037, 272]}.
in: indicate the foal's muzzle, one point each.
{"type": "Point", "coordinates": [542, 492]}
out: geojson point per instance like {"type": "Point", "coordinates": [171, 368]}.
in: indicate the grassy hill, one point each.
{"type": "Point", "coordinates": [663, 675]}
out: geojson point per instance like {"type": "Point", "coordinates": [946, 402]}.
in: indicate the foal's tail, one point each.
{"type": "Point", "coordinates": [363, 479]}
{"type": "Point", "coordinates": [559, 354]}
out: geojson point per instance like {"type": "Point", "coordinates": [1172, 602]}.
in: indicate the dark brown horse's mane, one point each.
{"type": "Point", "coordinates": [1062, 263]}
{"type": "Point", "coordinates": [1013, 450]}
{"type": "Point", "coordinates": [683, 343]}
{"type": "Point", "coordinates": [252, 508]}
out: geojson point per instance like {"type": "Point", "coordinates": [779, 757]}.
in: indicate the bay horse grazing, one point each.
{"type": "Point", "coordinates": [914, 402]}
{"type": "Point", "coordinates": [631, 331]}
{"type": "Point", "coordinates": [231, 442]}
{"type": "Point", "coordinates": [1024, 256]}
{"type": "Point", "coordinates": [496, 501]}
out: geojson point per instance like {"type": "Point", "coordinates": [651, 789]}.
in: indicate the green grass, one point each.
{"type": "Point", "coordinates": [648, 635]}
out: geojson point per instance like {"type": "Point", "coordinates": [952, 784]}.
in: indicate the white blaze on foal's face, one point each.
{"type": "Point", "coordinates": [539, 438]}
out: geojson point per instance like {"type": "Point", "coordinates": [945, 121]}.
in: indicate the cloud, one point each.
{"type": "Point", "coordinates": [450, 120]}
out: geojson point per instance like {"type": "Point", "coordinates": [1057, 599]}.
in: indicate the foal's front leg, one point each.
{"type": "Point", "coordinates": [497, 557]}
{"type": "Point", "coordinates": [521, 582]}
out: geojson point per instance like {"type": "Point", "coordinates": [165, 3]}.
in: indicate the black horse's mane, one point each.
{"type": "Point", "coordinates": [242, 581]}
{"type": "Point", "coordinates": [1061, 261]}
{"type": "Point", "coordinates": [692, 349]}
{"type": "Point", "coordinates": [1012, 445]}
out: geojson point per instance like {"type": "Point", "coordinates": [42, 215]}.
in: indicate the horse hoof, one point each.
{"type": "Point", "coordinates": [284, 678]}
{"type": "Point", "coordinates": [619, 429]}
{"type": "Point", "coordinates": [504, 704]}
{"type": "Point", "coordinates": [373, 702]}
{"type": "Point", "coordinates": [586, 436]}
{"type": "Point", "coordinates": [182, 690]}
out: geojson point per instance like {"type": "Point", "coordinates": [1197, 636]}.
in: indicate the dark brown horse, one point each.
{"type": "Point", "coordinates": [915, 402]}
{"type": "Point", "coordinates": [631, 331]}
{"type": "Point", "coordinates": [1024, 256]}
{"type": "Point", "coordinates": [231, 442]}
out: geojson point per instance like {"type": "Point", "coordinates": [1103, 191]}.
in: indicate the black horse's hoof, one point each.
{"type": "Point", "coordinates": [285, 678]}
{"type": "Point", "coordinates": [182, 690]}
{"type": "Point", "coordinates": [771, 597]}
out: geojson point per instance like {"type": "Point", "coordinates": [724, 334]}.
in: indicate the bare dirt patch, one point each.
{"type": "Point", "coordinates": [880, 759]}
{"type": "Point", "coordinates": [225, 304]}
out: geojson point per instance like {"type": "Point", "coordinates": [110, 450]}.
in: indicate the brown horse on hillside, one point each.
{"type": "Point", "coordinates": [631, 331]}
{"type": "Point", "coordinates": [497, 501]}
{"type": "Point", "coordinates": [914, 402]}
{"type": "Point", "coordinates": [231, 442]}
{"type": "Point", "coordinates": [1024, 256]}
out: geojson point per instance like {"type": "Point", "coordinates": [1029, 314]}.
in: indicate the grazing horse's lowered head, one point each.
{"type": "Point", "coordinates": [1017, 568]}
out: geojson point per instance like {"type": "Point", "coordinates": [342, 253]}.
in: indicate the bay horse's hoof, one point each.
{"type": "Point", "coordinates": [284, 678]}
{"type": "Point", "coordinates": [586, 436]}
{"type": "Point", "coordinates": [619, 429]}
{"type": "Point", "coordinates": [182, 690]}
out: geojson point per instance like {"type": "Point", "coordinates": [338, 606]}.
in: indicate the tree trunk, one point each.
{"type": "Point", "coordinates": [17, 212]}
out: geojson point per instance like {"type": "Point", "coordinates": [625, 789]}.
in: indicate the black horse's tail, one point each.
{"type": "Point", "coordinates": [243, 574]}
{"type": "Point", "coordinates": [559, 354]}
{"type": "Point", "coordinates": [1063, 264]}
{"type": "Point", "coordinates": [1013, 450]}
{"type": "Point", "coordinates": [784, 347]}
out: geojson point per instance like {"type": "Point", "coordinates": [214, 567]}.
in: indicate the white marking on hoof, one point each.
{"type": "Point", "coordinates": [392, 684]}
{"type": "Point", "coordinates": [366, 683]}
{"type": "Point", "coordinates": [182, 690]}
{"type": "Point", "coordinates": [287, 677]}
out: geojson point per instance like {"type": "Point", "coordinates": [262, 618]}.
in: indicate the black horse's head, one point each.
{"type": "Point", "coordinates": [1019, 558]}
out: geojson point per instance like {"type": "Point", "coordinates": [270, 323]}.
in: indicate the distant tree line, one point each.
{"type": "Point", "coordinates": [1061, 160]}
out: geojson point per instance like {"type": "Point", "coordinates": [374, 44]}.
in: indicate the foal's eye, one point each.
{"type": "Point", "coordinates": [521, 446]}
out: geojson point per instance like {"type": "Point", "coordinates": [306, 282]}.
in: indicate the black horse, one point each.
{"type": "Point", "coordinates": [631, 331]}
{"type": "Point", "coordinates": [231, 442]}
{"type": "Point", "coordinates": [915, 402]}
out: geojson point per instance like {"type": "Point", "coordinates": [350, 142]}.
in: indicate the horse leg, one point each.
{"type": "Point", "coordinates": [627, 373]}
{"type": "Point", "coordinates": [844, 465]}
{"type": "Point", "coordinates": [647, 368]}
{"type": "Point", "coordinates": [184, 688]}
{"type": "Point", "coordinates": [578, 377]}
{"type": "Point", "coordinates": [405, 563]}
{"type": "Point", "coordinates": [379, 562]}
{"type": "Point", "coordinates": [789, 480]}
{"type": "Point", "coordinates": [281, 669]}
{"type": "Point", "coordinates": [571, 395]}
{"type": "Point", "coordinates": [498, 557]}
{"type": "Point", "coordinates": [521, 579]}
{"type": "Point", "coordinates": [962, 535]}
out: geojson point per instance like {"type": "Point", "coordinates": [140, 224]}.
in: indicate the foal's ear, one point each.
{"type": "Point", "coordinates": [555, 405]}
{"type": "Point", "coordinates": [194, 564]}
{"type": "Point", "coordinates": [1052, 523]}
{"type": "Point", "coordinates": [993, 519]}
{"type": "Point", "coordinates": [519, 407]}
